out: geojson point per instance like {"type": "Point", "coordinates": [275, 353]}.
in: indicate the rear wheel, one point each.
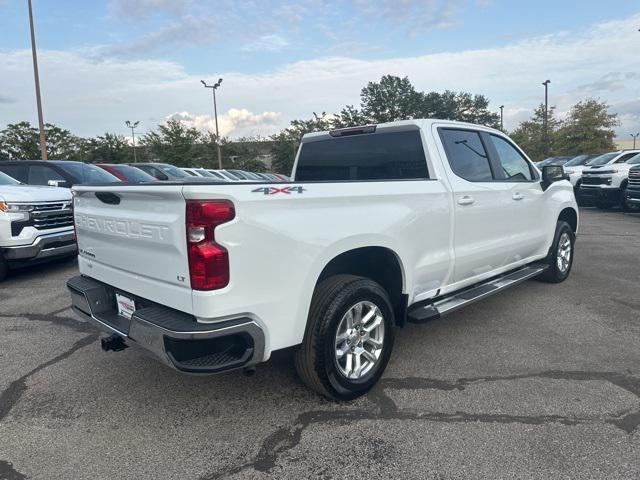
{"type": "Point", "coordinates": [349, 337]}
{"type": "Point", "coordinates": [560, 257]}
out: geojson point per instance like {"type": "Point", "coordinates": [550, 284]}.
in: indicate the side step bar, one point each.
{"type": "Point", "coordinates": [425, 312]}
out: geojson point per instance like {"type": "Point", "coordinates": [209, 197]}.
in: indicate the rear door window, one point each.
{"type": "Point", "coordinates": [466, 154]}
{"type": "Point", "coordinates": [372, 156]}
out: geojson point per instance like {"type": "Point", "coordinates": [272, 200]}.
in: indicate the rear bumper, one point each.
{"type": "Point", "coordinates": [175, 338]}
{"type": "Point", "coordinates": [45, 246]}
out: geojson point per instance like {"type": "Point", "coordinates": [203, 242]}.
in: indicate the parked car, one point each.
{"type": "Point", "coordinates": [165, 172]}
{"type": "Point", "coordinates": [57, 173]}
{"type": "Point", "coordinates": [605, 178]}
{"type": "Point", "coordinates": [228, 175]}
{"type": "Point", "coordinates": [218, 174]}
{"type": "Point", "coordinates": [36, 224]}
{"type": "Point", "coordinates": [200, 172]}
{"type": "Point", "coordinates": [126, 173]}
{"type": "Point", "coordinates": [632, 191]}
{"type": "Point", "coordinates": [553, 161]}
{"type": "Point", "coordinates": [380, 225]}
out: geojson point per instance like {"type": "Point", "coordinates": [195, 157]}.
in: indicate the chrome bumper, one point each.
{"type": "Point", "coordinates": [174, 338]}
{"type": "Point", "coordinates": [45, 246]}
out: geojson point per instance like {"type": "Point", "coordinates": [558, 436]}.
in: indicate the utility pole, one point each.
{"type": "Point", "coordinates": [502, 118]}
{"type": "Point", "coordinates": [213, 88]}
{"type": "Point", "coordinates": [546, 116]}
{"type": "Point", "coordinates": [634, 139]}
{"type": "Point", "coordinates": [43, 140]}
{"type": "Point", "coordinates": [133, 137]}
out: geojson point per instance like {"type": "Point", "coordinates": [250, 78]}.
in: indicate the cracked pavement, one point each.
{"type": "Point", "coordinates": [542, 381]}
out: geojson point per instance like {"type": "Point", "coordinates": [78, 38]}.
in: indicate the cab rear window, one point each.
{"type": "Point", "coordinates": [373, 156]}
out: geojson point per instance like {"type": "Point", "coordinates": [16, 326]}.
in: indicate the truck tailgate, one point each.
{"type": "Point", "coordinates": [133, 237]}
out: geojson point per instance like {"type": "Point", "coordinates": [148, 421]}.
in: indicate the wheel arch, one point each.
{"type": "Point", "coordinates": [380, 264]}
{"type": "Point", "coordinates": [569, 215]}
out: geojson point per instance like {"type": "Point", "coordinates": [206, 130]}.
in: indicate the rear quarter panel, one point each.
{"type": "Point", "coordinates": [279, 243]}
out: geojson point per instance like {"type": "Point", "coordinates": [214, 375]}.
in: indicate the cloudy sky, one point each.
{"type": "Point", "coordinates": [102, 63]}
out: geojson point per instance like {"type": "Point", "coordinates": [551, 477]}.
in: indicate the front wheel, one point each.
{"type": "Point", "coordinates": [349, 337]}
{"type": "Point", "coordinates": [560, 257]}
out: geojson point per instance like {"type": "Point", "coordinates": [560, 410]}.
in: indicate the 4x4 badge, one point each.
{"type": "Point", "coordinates": [275, 190]}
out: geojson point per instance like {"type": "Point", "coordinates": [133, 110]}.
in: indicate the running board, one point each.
{"type": "Point", "coordinates": [422, 313]}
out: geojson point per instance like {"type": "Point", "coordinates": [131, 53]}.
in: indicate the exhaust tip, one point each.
{"type": "Point", "coordinates": [113, 343]}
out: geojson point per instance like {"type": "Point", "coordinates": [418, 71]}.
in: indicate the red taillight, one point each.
{"type": "Point", "coordinates": [208, 261]}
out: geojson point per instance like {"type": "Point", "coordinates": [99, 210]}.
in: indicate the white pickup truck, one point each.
{"type": "Point", "coordinates": [604, 180]}
{"type": "Point", "coordinates": [36, 224]}
{"type": "Point", "coordinates": [380, 225]}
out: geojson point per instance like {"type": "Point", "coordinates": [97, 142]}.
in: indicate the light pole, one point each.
{"type": "Point", "coordinates": [502, 118]}
{"type": "Point", "coordinates": [133, 137]}
{"type": "Point", "coordinates": [634, 139]}
{"type": "Point", "coordinates": [213, 88]}
{"type": "Point", "coordinates": [546, 116]}
{"type": "Point", "coordinates": [43, 141]}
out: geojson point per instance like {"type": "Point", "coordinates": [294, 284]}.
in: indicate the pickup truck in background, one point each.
{"type": "Point", "coordinates": [379, 226]}
{"type": "Point", "coordinates": [36, 224]}
{"type": "Point", "coordinates": [632, 192]}
{"type": "Point", "coordinates": [604, 180]}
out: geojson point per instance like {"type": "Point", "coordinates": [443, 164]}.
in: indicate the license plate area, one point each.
{"type": "Point", "coordinates": [126, 306]}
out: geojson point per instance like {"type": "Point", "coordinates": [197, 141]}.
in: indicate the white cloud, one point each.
{"type": "Point", "coordinates": [229, 123]}
{"type": "Point", "coordinates": [91, 96]}
{"type": "Point", "coordinates": [267, 43]}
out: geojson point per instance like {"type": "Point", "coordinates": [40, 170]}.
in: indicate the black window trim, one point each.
{"type": "Point", "coordinates": [492, 155]}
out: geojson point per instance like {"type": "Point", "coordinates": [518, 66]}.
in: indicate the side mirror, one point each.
{"type": "Point", "coordinates": [551, 174]}
{"type": "Point", "coordinates": [162, 177]}
{"type": "Point", "coordinates": [58, 183]}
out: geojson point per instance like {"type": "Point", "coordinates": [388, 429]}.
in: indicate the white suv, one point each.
{"type": "Point", "coordinates": [36, 223]}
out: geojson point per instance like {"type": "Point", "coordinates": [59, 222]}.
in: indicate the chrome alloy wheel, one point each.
{"type": "Point", "coordinates": [359, 340]}
{"type": "Point", "coordinates": [564, 253]}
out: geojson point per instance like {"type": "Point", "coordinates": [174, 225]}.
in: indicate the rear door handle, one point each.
{"type": "Point", "coordinates": [466, 200]}
{"type": "Point", "coordinates": [517, 196]}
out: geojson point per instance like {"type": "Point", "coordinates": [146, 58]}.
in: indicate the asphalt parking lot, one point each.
{"type": "Point", "coordinates": [542, 381]}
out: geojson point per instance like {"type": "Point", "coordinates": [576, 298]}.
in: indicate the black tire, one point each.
{"type": "Point", "coordinates": [315, 358]}
{"type": "Point", "coordinates": [4, 267]}
{"type": "Point", "coordinates": [553, 274]}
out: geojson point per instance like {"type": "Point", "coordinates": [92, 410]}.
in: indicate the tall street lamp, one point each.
{"type": "Point", "coordinates": [546, 116]}
{"type": "Point", "coordinates": [502, 118]}
{"type": "Point", "coordinates": [133, 137]}
{"type": "Point", "coordinates": [213, 88]}
{"type": "Point", "coordinates": [634, 139]}
{"type": "Point", "coordinates": [43, 141]}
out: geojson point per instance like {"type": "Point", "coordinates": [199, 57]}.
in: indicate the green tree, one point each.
{"type": "Point", "coordinates": [108, 148]}
{"type": "Point", "coordinates": [587, 129]}
{"type": "Point", "coordinates": [177, 144]}
{"type": "Point", "coordinates": [286, 143]}
{"type": "Point", "coordinates": [19, 141]}
{"type": "Point", "coordinates": [392, 98]}
{"type": "Point", "coordinates": [530, 134]}
{"type": "Point", "coordinates": [62, 144]}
